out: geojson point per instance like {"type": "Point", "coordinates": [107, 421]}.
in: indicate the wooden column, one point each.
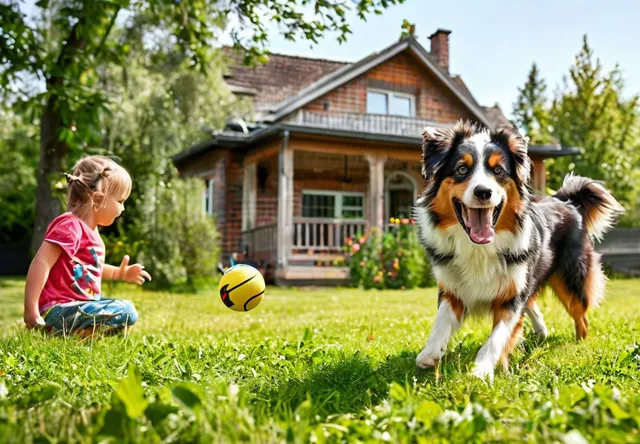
{"type": "Point", "coordinates": [539, 176]}
{"type": "Point", "coordinates": [376, 190]}
{"type": "Point", "coordinates": [285, 203]}
{"type": "Point", "coordinates": [249, 197]}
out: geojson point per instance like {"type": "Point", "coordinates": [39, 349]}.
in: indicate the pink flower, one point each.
{"type": "Point", "coordinates": [363, 239]}
{"type": "Point", "coordinates": [355, 248]}
{"type": "Point", "coordinates": [377, 278]}
{"type": "Point", "coordinates": [413, 222]}
{"type": "Point", "coordinates": [349, 241]}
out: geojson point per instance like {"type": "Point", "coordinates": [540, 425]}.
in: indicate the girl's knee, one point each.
{"type": "Point", "coordinates": [129, 312]}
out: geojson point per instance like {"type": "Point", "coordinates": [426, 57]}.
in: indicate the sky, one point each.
{"type": "Point", "coordinates": [494, 42]}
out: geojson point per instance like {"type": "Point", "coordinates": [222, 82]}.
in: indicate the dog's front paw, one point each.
{"type": "Point", "coordinates": [542, 334]}
{"type": "Point", "coordinates": [483, 370]}
{"type": "Point", "coordinates": [427, 359]}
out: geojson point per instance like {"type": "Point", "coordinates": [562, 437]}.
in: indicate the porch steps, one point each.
{"type": "Point", "coordinates": [313, 273]}
{"type": "Point", "coordinates": [311, 259]}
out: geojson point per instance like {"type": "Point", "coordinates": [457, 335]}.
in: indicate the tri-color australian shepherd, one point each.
{"type": "Point", "coordinates": [493, 245]}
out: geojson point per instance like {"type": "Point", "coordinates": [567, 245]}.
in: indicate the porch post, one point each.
{"type": "Point", "coordinates": [249, 197]}
{"type": "Point", "coordinates": [376, 190]}
{"type": "Point", "coordinates": [539, 176]}
{"type": "Point", "coordinates": [285, 203]}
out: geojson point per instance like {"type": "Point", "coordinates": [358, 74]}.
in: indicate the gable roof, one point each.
{"type": "Point", "coordinates": [349, 72]}
{"type": "Point", "coordinates": [274, 82]}
{"type": "Point", "coordinates": [287, 82]}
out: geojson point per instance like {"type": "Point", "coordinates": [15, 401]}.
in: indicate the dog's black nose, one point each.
{"type": "Point", "coordinates": [482, 192]}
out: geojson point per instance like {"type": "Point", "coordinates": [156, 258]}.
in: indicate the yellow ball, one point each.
{"type": "Point", "coordinates": [241, 287]}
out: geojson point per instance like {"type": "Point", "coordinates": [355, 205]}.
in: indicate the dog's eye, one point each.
{"type": "Point", "coordinates": [497, 170]}
{"type": "Point", "coordinates": [462, 170]}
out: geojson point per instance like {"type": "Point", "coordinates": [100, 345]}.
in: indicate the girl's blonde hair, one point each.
{"type": "Point", "coordinates": [94, 180]}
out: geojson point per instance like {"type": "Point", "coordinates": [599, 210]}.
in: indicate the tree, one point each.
{"type": "Point", "coordinates": [591, 113]}
{"type": "Point", "coordinates": [66, 44]}
{"type": "Point", "coordinates": [19, 148]}
{"type": "Point", "coordinates": [530, 110]}
{"type": "Point", "coordinates": [160, 108]}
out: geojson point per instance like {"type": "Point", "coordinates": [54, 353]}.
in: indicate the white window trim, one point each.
{"type": "Point", "coordinates": [395, 93]}
{"type": "Point", "coordinates": [207, 195]}
{"type": "Point", "coordinates": [337, 210]}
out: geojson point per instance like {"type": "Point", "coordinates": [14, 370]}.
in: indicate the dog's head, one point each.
{"type": "Point", "coordinates": [475, 178]}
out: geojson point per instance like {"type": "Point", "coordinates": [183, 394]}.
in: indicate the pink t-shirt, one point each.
{"type": "Point", "coordinates": [77, 274]}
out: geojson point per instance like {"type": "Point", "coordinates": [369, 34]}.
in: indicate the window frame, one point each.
{"type": "Point", "coordinates": [338, 195]}
{"type": "Point", "coordinates": [390, 93]}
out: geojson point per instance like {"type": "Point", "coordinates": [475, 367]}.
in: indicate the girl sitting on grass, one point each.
{"type": "Point", "coordinates": [62, 292]}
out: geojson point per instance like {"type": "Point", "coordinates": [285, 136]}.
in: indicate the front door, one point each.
{"type": "Point", "coordinates": [400, 203]}
{"type": "Point", "coordinates": [401, 195]}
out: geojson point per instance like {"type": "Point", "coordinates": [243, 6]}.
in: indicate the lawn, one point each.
{"type": "Point", "coordinates": [319, 365]}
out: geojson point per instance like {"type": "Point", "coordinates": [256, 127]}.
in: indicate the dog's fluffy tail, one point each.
{"type": "Point", "coordinates": [598, 207]}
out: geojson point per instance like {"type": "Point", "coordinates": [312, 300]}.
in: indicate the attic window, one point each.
{"type": "Point", "coordinates": [390, 102]}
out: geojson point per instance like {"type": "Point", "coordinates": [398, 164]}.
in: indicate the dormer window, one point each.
{"type": "Point", "coordinates": [390, 102]}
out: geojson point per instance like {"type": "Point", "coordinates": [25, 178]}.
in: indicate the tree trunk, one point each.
{"type": "Point", "coordinates": [52, 154]}
{"type": "Point", "coordinates": [52, 149]}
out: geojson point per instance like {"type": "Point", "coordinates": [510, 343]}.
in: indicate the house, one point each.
{"type": "Point", "coordinates": [335, 149]}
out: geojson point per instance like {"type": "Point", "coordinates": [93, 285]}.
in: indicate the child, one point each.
{"type": "Point", "coordinates": [62, 291]}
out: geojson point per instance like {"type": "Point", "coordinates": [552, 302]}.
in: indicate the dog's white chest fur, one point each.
{"type": "Point", "coordinates": [477, 274]}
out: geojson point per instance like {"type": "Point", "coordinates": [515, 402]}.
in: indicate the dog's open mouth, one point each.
{"type": "Point", "coordinates": [479, 223]}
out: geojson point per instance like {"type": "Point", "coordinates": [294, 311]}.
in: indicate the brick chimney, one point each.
{"type": "Point", "coordinates": [440, 47]}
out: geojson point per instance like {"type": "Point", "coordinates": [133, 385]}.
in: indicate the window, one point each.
{"type": "Point", "coordinates": [207, 197]}
{"type": "Point", "coordinates": [389, 102]}
{"type": "Point", "coordinates": [332, 204]}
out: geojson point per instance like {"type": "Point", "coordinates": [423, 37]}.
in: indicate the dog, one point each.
{"type": "Point", "coordinates": [493, 246]}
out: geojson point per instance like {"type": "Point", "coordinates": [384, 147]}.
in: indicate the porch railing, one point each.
{"type": "Point", "coordinates": [367, 123]}
{"type": "Point", "coordinates": [325, 234]}
{"type": "Point", "coordinates": [261, 241]}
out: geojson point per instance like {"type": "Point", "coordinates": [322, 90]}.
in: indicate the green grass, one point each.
{"type": "Point", "coordinates": [320, 365]}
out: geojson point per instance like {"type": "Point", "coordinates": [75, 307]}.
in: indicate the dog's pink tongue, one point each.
{"type": "Point", "coordinates": [481, 231]}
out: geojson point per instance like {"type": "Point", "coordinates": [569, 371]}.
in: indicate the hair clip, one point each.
{"type": "Point", "coordinates": [70, 177]}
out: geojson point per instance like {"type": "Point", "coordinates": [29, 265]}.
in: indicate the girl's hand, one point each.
{"type": "Point", "coordinates": [132, 273]}
{"type": "Point", "coordinates": [33, 319]}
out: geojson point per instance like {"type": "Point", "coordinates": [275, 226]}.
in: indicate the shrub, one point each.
{"type": "Point", "coordinates": [393, 260]}
{"type": "Point", "coordinates": [174, 239]}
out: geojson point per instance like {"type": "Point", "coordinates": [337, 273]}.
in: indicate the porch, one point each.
{"type": "Point", "coordinates": [302, 199]}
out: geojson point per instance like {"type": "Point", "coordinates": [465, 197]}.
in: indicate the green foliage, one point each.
{"type": "Point", "coordinates": [175, 240]}
{"type": "Point", "coordinates": [530, 112]}
{"type": "Point", "coordinates": [55, 57]}
{"type": "Point", "coordinates": [17, 178]}
{"type": "Point", "coordinates": [395, 260]}
{"type": "Point", "coordinates": [325, 365]}
{"type": "Point", "coordinates": [592, 113]}
{"type": "Point", "coordinates": [163, 108]}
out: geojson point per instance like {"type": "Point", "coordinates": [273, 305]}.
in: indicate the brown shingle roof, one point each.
{"type": "Point", "coordinates": [279, 79]}
{"type": "Point", "coordinates": [284, 76]}
{"type": "Point", "coordinates": [495, 115]}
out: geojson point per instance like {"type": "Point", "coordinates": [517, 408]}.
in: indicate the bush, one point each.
{"type": "Point", "coordinates": [171, 235]}
{"type": "Point", "coordinates": [393, 260]}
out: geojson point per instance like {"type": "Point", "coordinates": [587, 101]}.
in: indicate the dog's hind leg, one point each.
{"type": "Point", "coordinates": [537, 320]}
{"type": "Point", "coordinates": [581, 289]}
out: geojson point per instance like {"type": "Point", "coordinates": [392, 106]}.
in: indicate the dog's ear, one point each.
{"type": "Point", "coordinates": [510, 137]}
{"type": "Point", "coordinates": [437, 143]}
{"type": "Point", "coordinates": [433, 152]}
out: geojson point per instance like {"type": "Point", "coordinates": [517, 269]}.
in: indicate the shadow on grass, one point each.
{"type": "Point", "coordinates": [348, 383]}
